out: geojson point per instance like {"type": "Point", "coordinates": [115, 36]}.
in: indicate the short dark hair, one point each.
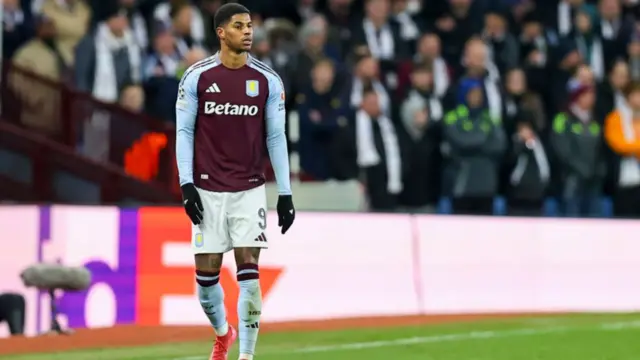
{"type": "Point", "coordinates": [632, 87]}
{"type": "Point", "coordinates": [226, 12]}
{"type": "Point", "coordinates": [423, 66]}
{"type": "Point", "coordinates": [176, 7]}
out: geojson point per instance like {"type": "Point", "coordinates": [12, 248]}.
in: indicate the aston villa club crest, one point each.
{"type": "Point", "coordinates": [253, 88]}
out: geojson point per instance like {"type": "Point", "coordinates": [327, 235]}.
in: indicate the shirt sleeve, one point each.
{"type": "Point", "coordinates": [276, 138]}
{"type": "Point", "coordinates": [186, 113]}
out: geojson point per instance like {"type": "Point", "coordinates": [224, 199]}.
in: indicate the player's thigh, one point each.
{"type": "Point", "coordinates": [211, 236]}
{"type": "Point", "coordinates": [248, 218]}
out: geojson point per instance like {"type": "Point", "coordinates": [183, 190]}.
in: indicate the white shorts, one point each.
{"type": "Point", "coordinates": [231, 220]}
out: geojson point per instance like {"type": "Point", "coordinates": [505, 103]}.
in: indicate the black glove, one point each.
{"type": "Point", "coordinates": [286, 212]}
{"type": "Point", "coordinates": [192, 203]}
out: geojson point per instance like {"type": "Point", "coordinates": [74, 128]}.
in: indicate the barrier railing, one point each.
{"type": "Point", "coordinates": [61, 113]}
{"type": "Point", "coordinates": [36, 169]}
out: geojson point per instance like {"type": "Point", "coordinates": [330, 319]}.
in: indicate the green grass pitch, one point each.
{"type": "Point", "coordinates": [575, 337]}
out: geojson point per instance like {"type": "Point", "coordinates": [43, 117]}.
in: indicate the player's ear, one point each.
{"type": "Point", "coordinates": [220, 32]}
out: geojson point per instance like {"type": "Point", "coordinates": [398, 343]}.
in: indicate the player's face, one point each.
{"type": "Point", "coordinates": [238, 34]}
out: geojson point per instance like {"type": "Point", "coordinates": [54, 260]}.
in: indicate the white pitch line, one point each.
{"type": "Point", "coordinates": [451, 338]}
{"type": "Point", "coordinates": [433, 339]}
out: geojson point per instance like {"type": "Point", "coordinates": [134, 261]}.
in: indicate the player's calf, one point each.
{"type": "Point", "coordinates": [211, 294]}
{"type": "Point", "coordinates": [249, 308]}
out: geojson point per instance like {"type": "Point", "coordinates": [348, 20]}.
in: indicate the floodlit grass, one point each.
{"type": "Point", "coordinates": [577, 337]}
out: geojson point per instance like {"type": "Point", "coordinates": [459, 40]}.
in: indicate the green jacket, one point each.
{"type": "Point", "coordinates": [578, 148]}
{"type": "Point", "coordinates": [475, 148]}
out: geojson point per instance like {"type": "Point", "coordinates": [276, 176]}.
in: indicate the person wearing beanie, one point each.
{"type": "Point", "coordinates": [475, 145]}
{"type": "Point", "coordinates": [576, 140]}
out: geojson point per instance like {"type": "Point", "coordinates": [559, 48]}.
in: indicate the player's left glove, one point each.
{"type": "Point", "coordinates": [286, 212]}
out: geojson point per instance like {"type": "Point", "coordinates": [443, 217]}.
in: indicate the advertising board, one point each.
{"type": "Point", "coordinates": [330, 265]}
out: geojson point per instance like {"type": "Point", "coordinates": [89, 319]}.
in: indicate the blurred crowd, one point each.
{"type": "Point", "coordinates": [420, 99]}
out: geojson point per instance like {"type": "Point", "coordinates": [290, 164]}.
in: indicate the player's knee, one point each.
{"type": "Point", "coordinates": [210, 263]}
{"type": "Point", "coordinates": [247, 255]}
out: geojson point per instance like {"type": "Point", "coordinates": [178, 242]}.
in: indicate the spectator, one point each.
{"type": "Point", "coordinates": [161, 76]}
{"type": "Point", "coordinates": [529, 170]}
{"type": "Point", "coordinates": [366, 74]}
{"type": "Point", "coordinates": [611, 93]}
{"type": "Point", "coordinates": [17, 27]}
{"type": "Point", "coordinates": [136, 22]}
{"type": "Point", "coordinates": [181, 23]}
{"type": "Point", "coordinates": [478, 67]}
{"type": "Point", "coordinates": [456, 23]}
{"type": "Point", "coordinates": [536, 51]}
{"type": "Point", "coordinates": [379, 33]}
{"type": "Point", "coordinates": [208, 9]}
{"type": "Point", "coordinates": [40, 56]}
{"type": "Point", "coordinates": [324, 113]}
{"type": "Point", "coordinates": [567, 62]}
{"type": "Point", "coordinates": [561, 18]}
{"type": "Point", "coordinates": [421, 116]}
{"type": "Point", "coordinates": [71, 18]}
{"type": "Point", "coordinates": [583, 75]}
{"type": "Point", "coordinates": [502, 46]}
{"type": "Point", "coordinates": [378, 152]}
{"type": "Point", "coordinates": [577, 143]}
{"type": "Point", "coordinates": [429, 51]}
{"type": "Point", "coordinates": [192, 57]}
{"type": "Point", "coordinates": [518, 101]}
{"type": "Point", "coordinates": [164, 59]}
{"type": "Point", "coordinates": [190, 22]}
{"type": "Point", "coordinates": [132, 98]}
{"type": "Point", "coordinates": [589, 44]}
{"type": "Point", "coordinates": [261, 46]}
{"type": "Point", "coordinates": [108, 59]}
{"type": "Point", "coordinates": [614, 30]}
{"type": "Point", "coordinates": [338, 13]}
{"type": "Point", "coordinates": [633, 53]}
{"type": "Point", "coordinates": [631, 8]}
{"type": "Point", "coordinates": [334, 45]}
{"type": "Point", "coordinates": [409, 29]}
{"type": "Point", "coordinates": [313, 36]}
{"type": "Point", "coordinates": [475, 147]}
{"type": "Point", "coordinates": [622, 132]}
{"type": "Point", "coordinates": [162, 90]}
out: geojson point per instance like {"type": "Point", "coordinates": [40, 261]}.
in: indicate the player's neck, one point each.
{"type": "Point", "coordinates": [233, 60]}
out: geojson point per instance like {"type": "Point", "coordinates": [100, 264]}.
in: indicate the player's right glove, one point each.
{"type": "Point", "coordinates": [192, 203]}
{"type": "Point", "coordinates": [286, 212]}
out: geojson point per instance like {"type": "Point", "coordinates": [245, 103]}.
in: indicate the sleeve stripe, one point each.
{"type": "Point", "coordinates": [264, 67]}
{"type": "Point", "coordinates": [197, 65]}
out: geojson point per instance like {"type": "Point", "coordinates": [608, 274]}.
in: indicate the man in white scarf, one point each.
{"type": "Point", "coordinates": [108, 59]}
{"type": "Point", "coordinates": [367, 72]}
{"type": "Point", "coordinates": [106, 62]}
{"type": "Point", "coordinates": [378, 153]}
